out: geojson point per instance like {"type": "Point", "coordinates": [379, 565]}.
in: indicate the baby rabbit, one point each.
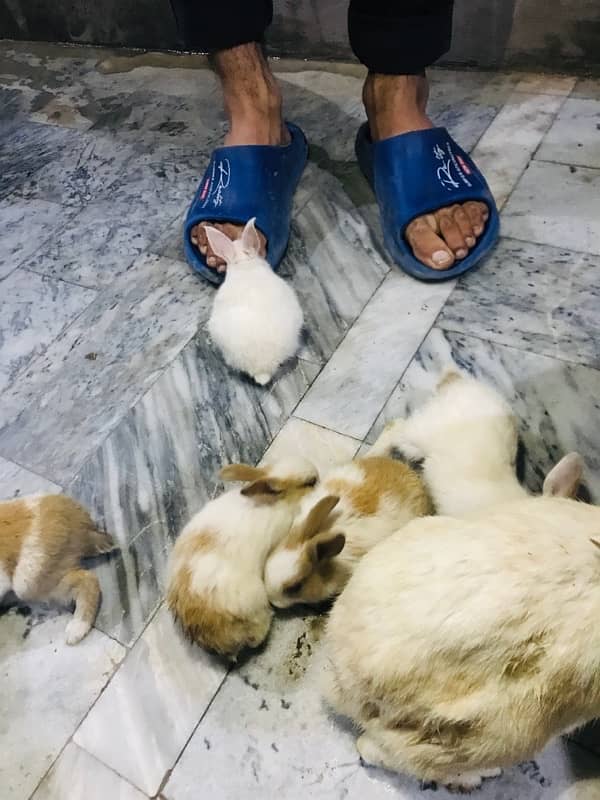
{"type": "Point", "coordinates": [460, 647]}
{"type": "Point", "coordinates": [43, 539]}
{"type": "Point", "coordinates": [355, 507]}
{"type": "Point", "coordinates": [256, 319]}
{"type": "Point", "coordinates": [215, 587]}
{"type": "Point", "coordinates": [465, 439]}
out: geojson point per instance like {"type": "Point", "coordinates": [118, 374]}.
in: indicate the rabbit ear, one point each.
{"type": "Point", "coordinates": [250, 240]}
{"type": "Point", "coordinates": [563, 479]}
{"type": "Point", "coordinates": [241, 472]}
{"type": "Point", "coordinates": [221, 245]}
{"type": "Point", "coordinates": [317, 516]}
{"type": "Point", "coordinates": [327, 545]}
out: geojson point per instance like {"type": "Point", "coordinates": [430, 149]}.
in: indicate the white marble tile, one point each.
{"type": "Point", "coordinates": [508, 144]}
{"type": "Point", "coordinates": [16, 481]}
{"type": "Point", "coordinates": [25, 226]}
{"type": "Point", "coordinates": [356, 382]}
{"type": "Point", "coordinates": [34, 310]}
{"type": "Point", "coordinates": [161, 463]}
{"type": "Point", "coordinates": [47, 688]}
{"type": "Point", "coordinates": [267, 734]}
{"type": "Point", "coordinates": [574, 138]}
{"type": "Point", "coordinates": [533, 297]}
{"type": "Point", "coordinates": [557, 403]}
{"type": "Point", "coordinates": [324, 448]}
{"type": "Point", "coordinates": [159, 695]}
{"type": "Point", "coordinates": [540, 83]}
{"type": "Point", "coordinates": [77, 775]}
{"type": "Point", "coordinates": [557, 205]}
{"type": "Point", "coordinates": [92, 374]}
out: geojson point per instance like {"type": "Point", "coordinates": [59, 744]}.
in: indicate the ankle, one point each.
{"type": "Point", "coordinates": [395, 104]}
{"type": "Point", "coordinates": [252, 97]}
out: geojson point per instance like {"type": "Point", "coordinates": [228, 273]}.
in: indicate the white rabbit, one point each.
{"type": "Point", "coordinates": [354, 507]}
{"type": "Point", "coordinates": [465, 439]}
{"type": "Point", "coordinates": [215, 586]}
{"type": "Point", "coordinates": [256, 320]}
{"type": "Point", "coordinates": [459, 647]}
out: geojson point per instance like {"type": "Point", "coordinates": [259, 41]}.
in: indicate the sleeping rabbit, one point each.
{"type": "Point", "coordinates": [215, 587]}
{"type": "Point", "coordinates": [464, 440]}
{"type": "Point", "coordinates": [460, 647]}
{"type": "Point", "coordinates": [256, 319]}
{"type": "Point", "coordinates": [354, 507]}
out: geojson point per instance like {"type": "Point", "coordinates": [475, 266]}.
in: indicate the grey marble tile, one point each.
{"type": "Point", "coordinates": [26, 148]}
{"type": "Point", "coordinates": [77, 774]}
{"type": "Point", "coordinates": [533, 297]}
{"type": "Point", "coordinates": [323, 447]}
{"type": "Point", "coordinates": [356, 382]}
{"type": "Point", "coordinates": [160, 693]}
{"type": "Point", "coordinates": [26, 226]}
{"type": "Point", "coordinates": [509, 143]}
{"type": "Point", "coordinates": [34, 310]}
{"type": "Point", "coordinates": [16, 481]}
{"type": "Point", "coordinates": [160, 465]}
{"type": "Point", "coordinates": [47, 688]}
{"type": "Point", "coordinates": [587, 87]}
{"type": "Point", "coordinates": [541, 83]}
{"type": "Point", "coordinates": [99, 366]}
{"type": "Point", "coordinates": [556, 204]}
{"type": "Point", "coordinates": [558, 404]}
{"type": "Point", "coordinates": [267, 734]}
{"type": "Point", "coordinates": [574, 138]}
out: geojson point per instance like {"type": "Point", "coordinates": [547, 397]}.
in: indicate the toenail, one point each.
{"type": "Point", "coordinates": [470, 241]}
{"type": "Point", "coordinates": [461, 253]}
{"type": "Point", "coordinates": [441, 257]}
{"type": "Point", "coordinates": [194, 240]}
{"type": "Point", "coordinates": [211, 261]}
{"type": "Point", "coordinates": [478, 229]}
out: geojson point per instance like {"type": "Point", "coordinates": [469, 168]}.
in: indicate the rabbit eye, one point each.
{"type": "Point", "coordinates": [311, 482]}
{"type": "Point", "coordinates": [294, 588]}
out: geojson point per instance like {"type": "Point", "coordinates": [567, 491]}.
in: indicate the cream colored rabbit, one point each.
{"type": "Point", "coordinates": [465, 440]}
{"type": "Point", "coordinates": [215, 588]}
{"type": "Point", "coordinates": [354, 507]}
{"type": "Point", "coordinates": [460, 647]}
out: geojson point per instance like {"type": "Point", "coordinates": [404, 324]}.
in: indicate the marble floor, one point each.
{"type": "Point", "coordinates": [111, 392]}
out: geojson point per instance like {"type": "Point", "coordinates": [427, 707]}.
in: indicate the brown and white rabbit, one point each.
{"type": "Point", "coordinates": [43, 539]}
{"type": "Point", "coordinates": [354, 507]}
{"type": "Point", "coordinates": [460, 647]}
{"type": "Point", "coordinates": [215, 587]}
{"type": "Point", "coordinates": [256, 320]}
{"type": "Point", "coordinates": [465, 440]}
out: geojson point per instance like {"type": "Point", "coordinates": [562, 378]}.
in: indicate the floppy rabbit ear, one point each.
{"type": "Point", "coordinates": [563, 479]}
{"type": "Point", "coordinates": [317, 516]}
{"type": "Point", "coordinates": [250, 240]}
{"type": "Point", "coordinates": [327, 545]}
{"type": "Point", "coordinates": [241, 472]}
{"type": "Point", "coordinates": [221, 245]}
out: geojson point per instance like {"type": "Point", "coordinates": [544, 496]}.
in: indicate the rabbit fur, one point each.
{"type": "Point", "coordinates": [256, 319]}
{"type": "Point", "coordinates": [215, 585]}
{"type": "Point", "coordinates": [353, 508]}
{"type": "Point", "coordinates": [464, 440]}
{"type": "Point", "coordinates": [460, 647]}
{"type": "Point", "coordinates": [43, 539]}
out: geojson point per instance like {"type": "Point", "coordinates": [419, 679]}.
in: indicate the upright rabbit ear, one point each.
{"type": "Point", "coordinates": [241, 472]}
{"type": "Point", "coordinates": [221, 245]}
{"type": "Point", "coordinates": [250, 240]}
{"type": "Point", "coordinates": [563, 479]}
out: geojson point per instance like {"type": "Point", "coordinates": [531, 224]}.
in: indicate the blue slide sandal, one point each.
{"type": "Point", "coordinates": [248, 181]}
{"type": "Point", "coordinates": [417, 173]}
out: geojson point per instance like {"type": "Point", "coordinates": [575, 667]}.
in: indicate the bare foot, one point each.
{"type": "Point", "coordinates": [397, 104]}
{"type": "Point", "coordinates": [253, 106]}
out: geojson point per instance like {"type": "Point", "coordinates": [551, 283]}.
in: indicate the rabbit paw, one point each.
{"type": "Point", "coordinates": [465, 782]}
{"type": "Point", "coordinates": [76, 630]}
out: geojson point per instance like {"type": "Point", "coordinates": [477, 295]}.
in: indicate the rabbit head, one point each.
{"type": "Point", "coordinates": [246, 248]}
{"type": "Point", "coordinates": [303, 568]}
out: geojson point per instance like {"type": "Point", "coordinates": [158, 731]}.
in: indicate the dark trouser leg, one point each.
{"type": "Point", "coordinates": [221, 24]}
{"type": "Point", "coordinates": [399, 37]}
